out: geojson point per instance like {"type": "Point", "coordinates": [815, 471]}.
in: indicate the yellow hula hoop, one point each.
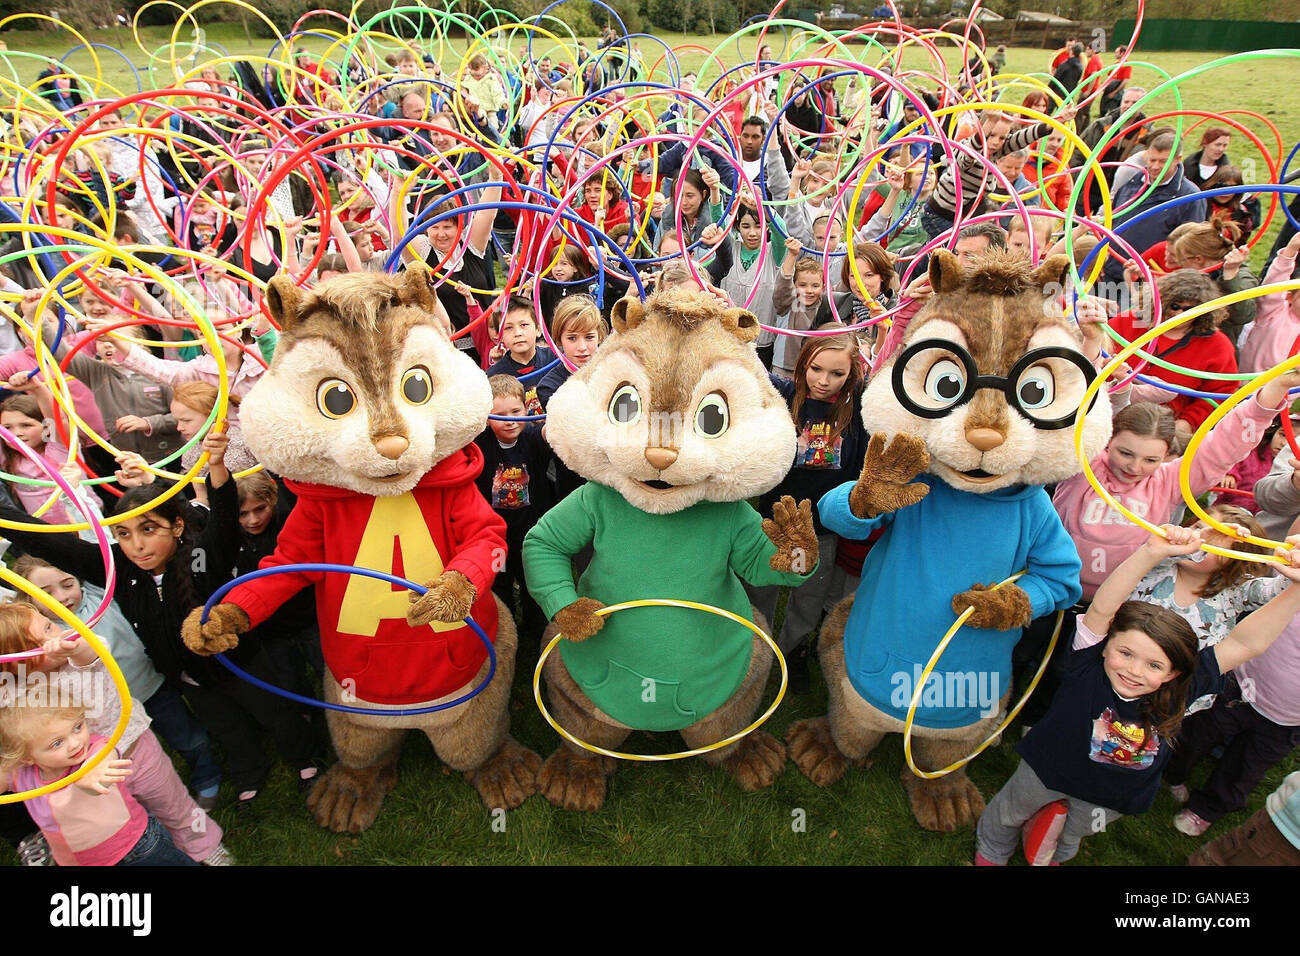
{"type": "Point", "coordinates": [930, 665]}
{"type": "Point", "coordinates": [659, 758]}
{"type": "Point", "coordinates": [1231, 400]}
{"type": "Point", "coordinates": [119, 682]}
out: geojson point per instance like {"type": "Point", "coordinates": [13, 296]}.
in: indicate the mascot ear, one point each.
{"type": "Point", "coordinates": [415, 287]}
{"type": "Point", "coordinates": [945, 271]}
{"type": "Point", "coordinates": [282, 300]}
{"type": "Point", "coordinates": [741, 323]}
{"type": "Point", "coordinates": [629, 312]}
{"type": "Point", "coordinates": [1052, 272]}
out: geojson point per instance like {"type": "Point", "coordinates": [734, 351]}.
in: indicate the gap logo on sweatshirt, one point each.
{"type": "Point", "coordinates": [1098, 512]}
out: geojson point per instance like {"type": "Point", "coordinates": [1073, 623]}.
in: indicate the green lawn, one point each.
{"type": "Point", "coordinates": [679, 812]}
{"type": "Point", "coordinates": [685, 812]}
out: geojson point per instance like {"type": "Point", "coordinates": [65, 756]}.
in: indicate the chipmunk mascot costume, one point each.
{"type": "Point", "coordinates": [968, 422]}
{"type": "Point", "coordinates": [369, 412]}
{"type": "Point", "coordinates": [674, 424]}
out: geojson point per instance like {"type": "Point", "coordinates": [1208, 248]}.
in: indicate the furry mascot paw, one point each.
{"type": "Point", "coordinates": [219, 634]}
{"type": "Point", "coordinates": [791, 529]}
{"type": "Point", "coordinates": [579, 620]}
{"type": "Point", "coordinates": [759, 759]}
{"type": "Point", "coordinates": [813, 750]}
{"type": "Point", "coordinates": [447, 601]}
{"type": "Point", "coordinates": [886, 483]}
{"type": "Point", "coordinates": [508, 778]}
{"type": "Point", "coordinates": [347, 799]}
{"type": "Point", "coordinates": [943, 805]}
{"type": "Point", "coordinates": [575, 781]}
{"type": "Point", "coordinates": [1001, 610]}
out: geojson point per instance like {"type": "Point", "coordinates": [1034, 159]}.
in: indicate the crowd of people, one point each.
{"type": "Point", "coordinates": [541, 184]}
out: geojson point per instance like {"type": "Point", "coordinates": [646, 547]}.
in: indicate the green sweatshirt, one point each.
{"type": "Point", "coordinates": [656, 668]}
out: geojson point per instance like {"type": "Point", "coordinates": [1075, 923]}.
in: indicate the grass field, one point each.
{"type": "Point", "coordinates": [684, 812]}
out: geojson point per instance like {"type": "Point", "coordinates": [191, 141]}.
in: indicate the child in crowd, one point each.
{"type": "Point", "coordinates": [163, 702]}
{"type": "Point", "coordinates": [523, 356]}
{"type": "Point", "coordinates": [516, 459]}
{"type": "Point", "coordinates": [1271, 337]}
{"type": "Point", "coordinates": [1255, 718]}
{"type": "Point", "coordinates": [30, 416]}
{"type": "Point", "coordinates": [70, 673]}
{"type": "Point", "coordinates": [824, 399]}
{"type": "Point", "coordinates": [566, 277]}
{"type": "Point", "coordinates": [96, 821]}
{"type": "Point", "coordinates": [578, 330]}
{"type": "Point", "coordinates": [1240, 479]}
{"type": "Point", "coordinates": [800, 302]}
{"type": "Point", "coordinates": [1099, 752]}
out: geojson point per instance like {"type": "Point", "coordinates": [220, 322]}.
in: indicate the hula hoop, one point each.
{"type": "Point", "coordinates": [347, 708]}
{"type": "Point", "coordinates": [1011, 714]}
{"type": "Point", "coordinates": [681, 755]}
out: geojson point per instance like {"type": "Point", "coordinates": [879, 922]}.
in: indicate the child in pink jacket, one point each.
{"type": "Point", "coordinates": [1133, 470]}
{"type": "Point", "coordinates": [1269, 338]}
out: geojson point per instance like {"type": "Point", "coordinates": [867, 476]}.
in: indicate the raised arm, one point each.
{"type": "Point", "coordinates": [1123, 581]}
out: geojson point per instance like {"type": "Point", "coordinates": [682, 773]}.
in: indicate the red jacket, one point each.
{"type": "Point", "coordinates": [1204, 353]}
{"type": "Point", "coordinates": [364, 634]}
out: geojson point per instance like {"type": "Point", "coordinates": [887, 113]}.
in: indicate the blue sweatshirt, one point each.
{"type": "Point", "coordinates": [929, 553]}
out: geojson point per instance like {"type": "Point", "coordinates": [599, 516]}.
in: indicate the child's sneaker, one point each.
{"type": "Point", "coordinates": [220, 857]}
{"type": "Point", "coordinates": [1179, 792]}
{"type": "Point", "coordinates": [35, 851]}
{"type": "Point", "coordinates": [1042, 832]}
{"type": "Point", "coordinates": [1185, 821]}
{"type": "Point", "coordinates": [982, 860]}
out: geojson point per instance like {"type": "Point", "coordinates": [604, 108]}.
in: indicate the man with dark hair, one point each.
{"type": "Point", "coordinates": [975, 240]}
{"type": "Point", "coordinates": [776, 179]}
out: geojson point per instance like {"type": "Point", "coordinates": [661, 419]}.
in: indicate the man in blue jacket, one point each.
{"type": "Point", "coordinates": [1145, 234]}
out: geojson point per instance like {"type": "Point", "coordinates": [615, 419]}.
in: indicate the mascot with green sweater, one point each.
{"type": "Point", "coordinates": [674, 424]}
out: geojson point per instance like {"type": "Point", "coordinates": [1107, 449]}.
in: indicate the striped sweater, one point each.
{"type": "Point", "coordinates": [943, 200]}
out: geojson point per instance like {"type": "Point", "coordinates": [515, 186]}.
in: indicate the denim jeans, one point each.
{"type": "Point", "coordinates": [173, 722]}
{"type": "Point", "coordinates": [933, 223]}
{"type": "Point", "coordinates": [155, 848]}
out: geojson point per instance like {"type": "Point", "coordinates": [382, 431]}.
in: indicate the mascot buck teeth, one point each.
{"type": "Point", "coordinates": [369, 413]}
{"type": "Point", "coordinates": [968, 422]}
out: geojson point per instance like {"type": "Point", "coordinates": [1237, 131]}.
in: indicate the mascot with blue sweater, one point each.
{"type": "Point", "coordinates": [968, 421]}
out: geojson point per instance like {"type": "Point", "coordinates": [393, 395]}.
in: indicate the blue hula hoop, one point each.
{"type": "Point", "coordinates": [346, 708]}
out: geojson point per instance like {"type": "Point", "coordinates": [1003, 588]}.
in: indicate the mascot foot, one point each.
{"type": "Point", "coordinates": [347, 800]}
{"type": "Point", "coordinates": [574, 781]}
{"type": "Point", "coordinates": [757, 762]}
{"type": "Point", "coordinates": [813, 750]}
{"type": "Point", "coordinates": [944, 804]}
{"type": "Point", "coordinates": [508, 778]}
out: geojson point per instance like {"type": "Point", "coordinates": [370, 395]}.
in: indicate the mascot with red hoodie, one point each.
{"type": "Point", "coordinates": [369, 413]}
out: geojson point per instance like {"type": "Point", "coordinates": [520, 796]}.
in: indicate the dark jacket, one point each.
{"type": "Point", "coordinates": [156, 618]}
{"type": "Point", "coordinates": [1157, 228]}
{"type": "Point", "coordinates": [1192, 168]}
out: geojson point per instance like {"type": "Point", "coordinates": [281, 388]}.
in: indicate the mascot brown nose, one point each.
{"type": "Point", "coordinates": [660, 458]}
{"type": "Point", "coordinates": [391, 446]}
{"type": "Point", "coordinates": [985, 439]}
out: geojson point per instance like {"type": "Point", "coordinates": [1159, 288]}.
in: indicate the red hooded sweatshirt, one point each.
{"type": "Point", "coordinates": [444, 523]}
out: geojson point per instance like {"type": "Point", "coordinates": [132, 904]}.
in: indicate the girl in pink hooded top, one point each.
{"type": "Point", "coordinates": [1133, 469]}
